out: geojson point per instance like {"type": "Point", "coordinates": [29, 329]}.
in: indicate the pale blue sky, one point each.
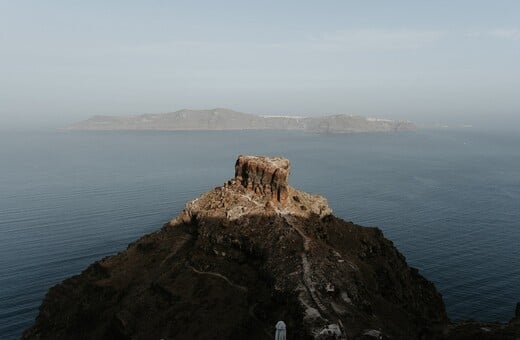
{"type": "Point", "coordinates": [62, 61]}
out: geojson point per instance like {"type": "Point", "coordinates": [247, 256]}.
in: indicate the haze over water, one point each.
{"type": "Point", "coordinates": [452, 62]}
{"type": "Point", "coordinates": [448, 199]}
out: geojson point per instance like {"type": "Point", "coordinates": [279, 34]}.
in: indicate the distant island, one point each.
{"type": "Point", "coordinates": [225, 119]}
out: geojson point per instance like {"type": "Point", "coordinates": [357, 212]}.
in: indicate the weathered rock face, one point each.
{"type": "Point", "coordinates": [260, 187]}
{"type": "Point", "coordinates": [238, 259]}
{"type": "Point", "coordinates": [265, 176]}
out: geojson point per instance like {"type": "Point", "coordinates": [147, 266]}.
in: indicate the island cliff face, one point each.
{"type": "Point", "coordinates": [264, 176]}
{"type": "Point", "coordinates": [243, 256]}
{"type": "Point", "coordinates": [225, 119]}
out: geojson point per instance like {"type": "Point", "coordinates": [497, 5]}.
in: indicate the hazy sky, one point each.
{"type": "Point", "coordinates": [62, 61]}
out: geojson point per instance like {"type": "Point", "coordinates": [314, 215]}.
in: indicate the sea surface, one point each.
{"type": "Point", "coordinates": [449, 200]}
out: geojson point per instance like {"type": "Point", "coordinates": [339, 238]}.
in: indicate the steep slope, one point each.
{"type": "Point", "coordinates": [241, 257]}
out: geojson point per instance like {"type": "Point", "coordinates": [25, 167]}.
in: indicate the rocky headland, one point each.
{"type": "Point", "coordinates": [224, 119]}
{"type": "Point", "coordinates": [245, 255]}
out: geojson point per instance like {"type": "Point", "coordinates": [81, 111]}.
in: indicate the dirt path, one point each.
{"type": "Point", "coordinates": [306, 276]}
{"type": "Point", "coordinates": [220, 276]}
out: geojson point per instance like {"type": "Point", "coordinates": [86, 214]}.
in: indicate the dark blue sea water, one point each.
{"type": "Point", "coordinates": [450, 201]}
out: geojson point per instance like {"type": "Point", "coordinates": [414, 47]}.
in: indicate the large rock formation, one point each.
{"type": "Point", "coordinates": [242, 257]}
{"type": "Point", "coordinates": [264, 176]}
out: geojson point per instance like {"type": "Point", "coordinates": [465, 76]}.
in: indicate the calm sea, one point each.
{"type": "Point", "coordinates": [450, 201]}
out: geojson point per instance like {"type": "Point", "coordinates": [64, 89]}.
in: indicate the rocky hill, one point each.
{"type": "Point", "coordinates": [225, 119]}
{"type": "Point", "coordinates": [245, 255]}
